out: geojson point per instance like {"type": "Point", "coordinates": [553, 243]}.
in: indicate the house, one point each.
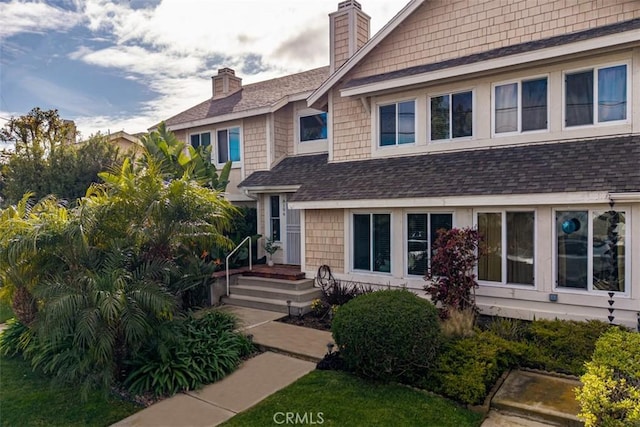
{"type": "Point", "coordinates": [519, 118]}
{"type": "Point", "coordinates": [126, 142]}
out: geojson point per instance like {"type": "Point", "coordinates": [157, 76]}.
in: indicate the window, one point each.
{"type": "Point", "coordinates": [422, 231]}
{"type": "Point", "coordinates": [598, 95]}
{"type": "Point", "coordinates": [520, 106]}
{"type": "Point", "coordinates": [229, 145]}
{"type": "Point", "coordinates": [509, 242]}
{"type": "Point", "coordinates": [590, 250]}
{"type": "Point", "coordinates": [397, 123]}
{"type": "Point", "coordinates": [313, 127]}
{"type": "Point", "coordinates": [274, 204]}
{"type": "Point", "coordinates": [372, 242]}
{"type": "Point", "coordinates": [200, 139]}
{"type": "Point", "coordinates": [451, 116]}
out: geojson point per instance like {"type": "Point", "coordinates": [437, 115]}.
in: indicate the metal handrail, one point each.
{"type": "Point", "coordinates": [226, 263]}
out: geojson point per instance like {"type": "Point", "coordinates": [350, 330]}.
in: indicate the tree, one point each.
{"type": "Point", "coordinates": [47, 161]}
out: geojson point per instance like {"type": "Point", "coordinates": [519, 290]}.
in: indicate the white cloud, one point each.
{"type": "Point", "coordinates": [34, 17]}
{"type": "Point", "coordinates": [175, 47]}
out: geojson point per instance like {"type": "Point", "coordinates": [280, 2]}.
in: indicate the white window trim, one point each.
{"type": "Point", "coordinates": [405, 229]}
{"type": "Point", "coordinates": [503, 236]}
{"type": "Point", "coordinates": [416, 118]}
{"type": "Point", "coordinates": [627, 255]}
{"type": "Point", "coordinates": [200, 133]}
{"type": "Point", "coordinates": [596, 69]}
{"type": "Point", "coordinates": [451, 138]}
{"type": "Point", "coordinates": [214, 150]}
{"type": "Point", "coordinates": [351, 242]}
{"type": "Point", "coordinates": [519, 82]}
{"type": "Point", "coordinates": [296, 125]}
{"type": "Point", "coordinates": [268, 216]}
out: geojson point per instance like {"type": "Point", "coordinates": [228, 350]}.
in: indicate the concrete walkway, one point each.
{"type": "Point", "coordinates": [254, 380]}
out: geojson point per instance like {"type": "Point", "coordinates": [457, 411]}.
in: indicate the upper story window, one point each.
{"type": "Point", "coordinates": [397, 123]}
{"type": "Point", "coordinates": [313, 127]}
{"type": "Point", "coordinates": [200, 139]}
{"type": "Point", "coordinates": [451, 116]}
{"type": "Point", "coordinates": [520, 106]}
{"type": "Point", "coordinates": [229, 145]}
{"type": "Point", "coordinates": [597, 95]}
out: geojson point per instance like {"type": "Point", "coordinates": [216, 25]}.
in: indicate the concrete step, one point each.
{"type": "Point", "coordinates": [539, 396]}
{"type": "Point", "coordinates": [276, 283]}
{"type": "Point", "coordinates": [268, 304]}
{"type": "Point", "coordinates": [303, 295]}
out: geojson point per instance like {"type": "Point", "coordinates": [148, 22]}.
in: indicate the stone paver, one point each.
{"type": "Point", "coordinates": [302, 342]}
{"type": "Point", "coordinates": [259, 377]}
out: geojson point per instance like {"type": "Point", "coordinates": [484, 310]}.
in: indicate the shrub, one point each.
{"type": "Point", "coordinates": [450, 274]}
{"type": "Point", "coordinates": [610, 395]}
{"type": "Point", "coordinates": [467, 368]}
{"type": "Point", "coordinates": [561, 345]}
{"type": "Point", "coordinates": [387, 335]}
{"type": "Point", "coordinates": [192, 352]}
{"type": "Point", "coordinates": [15, 338]}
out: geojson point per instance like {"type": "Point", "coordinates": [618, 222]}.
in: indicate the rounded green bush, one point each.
{"type": "Point", "coordinates": [388, 335]}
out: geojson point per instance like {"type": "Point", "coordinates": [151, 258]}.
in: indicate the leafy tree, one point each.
{"type": "Point", "coordinates": [47, 160]}
{"type": "Point", "coordinates": [450, 274]}
{"type": "Point", "coordinates": [176, 158]}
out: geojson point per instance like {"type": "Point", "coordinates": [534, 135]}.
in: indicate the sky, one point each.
{"type": "Point", "coordinates": [128, 64]}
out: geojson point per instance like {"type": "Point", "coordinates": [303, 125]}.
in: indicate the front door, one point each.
{"type": "Point", "coordinates": [292, 234]}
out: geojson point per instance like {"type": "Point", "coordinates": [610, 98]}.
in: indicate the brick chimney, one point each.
{"type": "Point", "coordinates": [225, 83]}
{"type": "Point", "coordinates": [349, 29]}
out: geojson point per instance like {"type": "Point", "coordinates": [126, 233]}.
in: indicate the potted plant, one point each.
{"type": "Point", "coordinates": [271, 248]}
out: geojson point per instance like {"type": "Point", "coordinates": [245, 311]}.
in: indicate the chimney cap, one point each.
{"type": "Point", "coordinates": [226, 70]}
{"type": "Point", "coordinates": [349, 3]}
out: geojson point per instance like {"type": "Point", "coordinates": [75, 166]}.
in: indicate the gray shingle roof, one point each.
{"type": "Point", "coordinates": [605, 30]}
{"type": "Point", "coordinates": [253, 96]}
{"type": "Point", "coordinates": [611, 164]}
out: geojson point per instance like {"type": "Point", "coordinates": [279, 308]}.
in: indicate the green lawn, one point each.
{"type": "Point", "coordinates": [28, 399]}
{"type": "Point", "coordinates": [333, 398]}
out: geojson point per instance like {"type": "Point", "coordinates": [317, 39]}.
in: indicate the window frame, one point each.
{"type": "Point", "coordinates": [503, 242]}
{"type": "Point", "coordinates": [450, 95]}
{"type": "Point", "coordinates": [271, 218]}
{"type": "Point", "coordinates": [370, 213]}
{"type": "Point", "coordinates": [309, 113]}
{"type": "Point", "coordinates": [234, 163]}
{"type": "Point", "coordinates": [596, 69]}
{"type": "Point", "coordinates": [430, 239]}
{"type": "Point", "coordinates": [628, 245]}
{"type": "Point", "coordinates": [518, 82]}
{"type": "Point", "coordinates": [191, 135]}
{"type": "Point", "coordinates": [396, 102]}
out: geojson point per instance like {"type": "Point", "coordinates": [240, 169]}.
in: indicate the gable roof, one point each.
{"type": "Point", "coordinates": [521, 48]}
{"type": "Point", "coordinates": [364, 50]}
{"type": "Point", "coordinates": [252, 99]}
{"type": "Point", "coordinates": [606, 165]}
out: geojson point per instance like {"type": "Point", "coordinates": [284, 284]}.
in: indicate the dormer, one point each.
{"type": "Point", "coordinates": [225, 83]}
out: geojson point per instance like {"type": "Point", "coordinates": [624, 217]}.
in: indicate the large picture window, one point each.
{"type": "Point", "coordinates": [229, 145]}
{"type": "Point", "coordinates": [422, 231]}
{"type": "Point", "coordinates": [397, 123]}
{"type": "Point", "coordinates": [590, 250]}
{"type": "Point", "coordinates": [372, 242]}
{"type": "Point", "coordinates": [451, 116]}
{"type": "Point", "coordinates": [509, 241]}
{"type": "Point", "coordinates": [598, 95]}
{"type": "Point", "coordinates": [313, 127]}
{"type": "Point", "coordinates": [200, 139]}
{"type": "Point", "coordinates": [520, 106]}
